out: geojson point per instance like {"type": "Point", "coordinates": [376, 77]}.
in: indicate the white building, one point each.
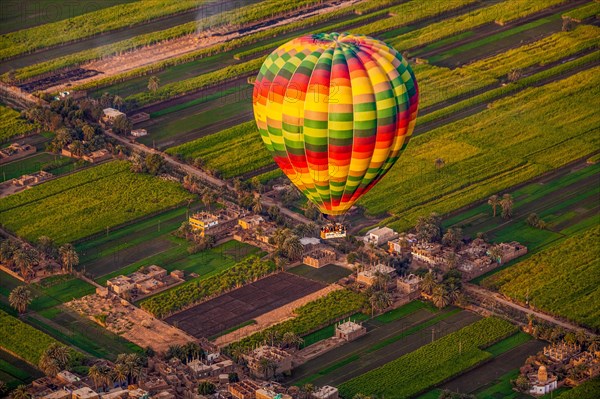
{"type": "Point", "coordinates": [542, 382]}
{"type": "Point", "coordinates": [326, 392]}
{"type": "Point", "coordinates": [139, 132]}
{"type": "Point", "coordinates": [380, 235]}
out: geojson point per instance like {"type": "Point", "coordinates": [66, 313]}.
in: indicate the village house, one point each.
{"type": "Point", "coordinates": [402, 244]}
{"type": "Point", "coordinates": [319, 257]}
{"type": "Point", "coordinates": [369, 275]}
{"type": "Point", "coordinates": [326, 392]}
{"type": "Point", "coordinates": [309, 243]}
{"type": "Point", "coordinates": [281, 360]}
{"type": "Point", "coordinates": [349, 330]}
{"type": "Point", "coordinates": [380, 235]}
{"type": "Point", "coordinates": [245, 389]}
{"type": "Point", "coordinates": [16, 151]}
{"type": "Point", "coordinates": [249, 222]}
{"type": "Point", "coordinates": [110, 114]}
{"type": "Point", "coordinates": [264, 393]}
{"type": "Point", "coordinates": [144, 281]}
{"type": "Point", "coordinates": [218, 224]}
{"type": "Point", "coordinates": [34, 178]}
{"type": "Point", "coordinates": [139, 118]}
{"type": "Point", "coordinates": [542, 382]}
{"type": "Point", "coordinates": [510, 251]}
{"type": "Point", "coordinates": [85, 393]}
{"type": "Point", "coordinates": [562, 351]}
{"type": "Point", "coordinates": [409, 285]}
{"type": "Point", "coordinates": [139, 132]}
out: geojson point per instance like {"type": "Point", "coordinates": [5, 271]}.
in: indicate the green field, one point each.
{"type": "Point", "coordinates": [432, 363]}
{"type": "Point", "coordinates": [15, 372]}
{"type": "Point", "coordinates": [205, 263]}
{"type": "Point", "coordinates": [12, 125]}
{"type": "Point", "coordinates": [571, 292]}
{"type": "Point", "coordinates": [327, 274]}
{"type": "Point", "coordinates": [87, 202]}
{"type": "Point", "coordinates": [491, 151]}
{"type": "Point", "coordinates": [55, 164]}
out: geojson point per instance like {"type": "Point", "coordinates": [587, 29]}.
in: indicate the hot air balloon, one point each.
{"type": "Point", "coordinates": [335, 110]}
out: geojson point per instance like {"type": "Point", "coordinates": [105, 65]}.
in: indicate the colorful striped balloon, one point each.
{"type": "Point", "coordinates": [335, 110]}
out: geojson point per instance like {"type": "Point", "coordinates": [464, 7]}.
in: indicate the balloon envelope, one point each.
{"type": "Point", "coordinates": [335, 110]}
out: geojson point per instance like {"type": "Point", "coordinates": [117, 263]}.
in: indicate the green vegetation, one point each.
{"type": "Point", "coordinates": [431, 364]}
{"type": "Point", "coordinates": [28, 40]}
{"type": "Point", "coordinates": [492, 150]}
{"type": "Point", "coordinates": [56, 290]}
{"type": "Point", "coordinates": [310, 317]}
{"type": "Point", "coordinates": [12, 125]}
{"type": "Point", "coordinates": [500, 13]}
{"type": "Point", "coordinates": [87, 202]}
{"type": "Point", "coordinates": [587, 390]}
{"type": "Point", "coordinates": [232, 151]}
{"type": "Point", "coordinates": [328, 331]}
{"type": "Point", "coordinates": [327, 274]}
{"type": "Point", "coordinates": [591, 9]}
{"type": "Point", "coordinates": [404, 311]}
{"type": "Point", "coordinates": [509, 343]}
{"type": "Point", "coordinates": [571, 292]}
{"type": "Point", "coordinates": [22, 339]}
{"type": "Point", "coordinates": [55, 164]}
{"type": "Point", "coordinates": [194, 291]}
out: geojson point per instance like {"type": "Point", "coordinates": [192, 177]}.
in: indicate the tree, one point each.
{"type": "Point", "coordinates": [514, 75]}
{"type": "Point", "coordinates": [567, 24]}
{"type": "Point", "coordinates": [256, 184]}
{"type": "Point", "coordinates": [47, 246]}
{"type": "Point", "coordinates": [292, 247]}
{"type": "Point", "coordinates": [440, 297]}
{"type": "Point", "coordinates": [453, 237]}
{"type": "Point", "coordinates": [207, 199]}
{"type": "Point", "coordinates": [273, 212]}
{"type": "Point", "coordinates": [54, 359]}
{"type": "Point", "coordinates": [153, 83]}
{"type": "Point", "coordinates": [308, 390]}
{"type": "Point", "coordinates": [206, 388]}
{"type": "Point", "coordinates": [19, 298]}
{"type": "Point", "coordinates": [122, 125]}
{"type": "Point", "coordinates": [76, 148]}
{"type": "Point", "coordinates": [257, 206]}
{"type": "Point", "coordinates": [381, 281]}
{"type": "Point", "coordinates": [20, 392]}
{"type": "Point", "coordinates": [380, 300]}
{"type": "Point", "coordinates": [118, 102]}
{"type": "Point", "coordinates": [266, 366]}
{"type": "Point", "coordinates": [428, 283]}
{"type": "Point", "coordinates": [24, 259]}
{"type": "Point", "coordinates": [507, 204]}
{"type": "Point", "coordinates": [119, 373]}
{"type": "Point", "coordinates": [96, 375]}
{"type": "Point", "coordinates": [68, 257]}
{"type": "Point", "coordinates": [428, 228]}
{"type": "Point", "coordinates": [494, 202]}
{"type": "Point", "coordinates": [154, 164]}
{"type": "Point", "coordinates": [88, 132]}
{"type": "Point", "coordinates": [290, 339]}
{"type": "Point", "coordinates": [439, 163]}
{"type": "Point", "coordinates": [233, 378]}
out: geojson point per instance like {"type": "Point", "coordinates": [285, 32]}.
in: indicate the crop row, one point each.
{"type": "Point", "coordinates": [588, 10]}
{"type": "Point", "coordinates": [12, 125]}
{"type": "Point", "coordinates": [119, 16]}
{"type": "Point", "coordinates": [571, 292]}
{"type": "Point", "coordinates": [73, 207]}
{"type": "Point", "coordinates": [430, 364]}
{"type": "Point", "coordinates": [232, 151]}
{"type": "Point", "coordinates": [23, 340]}
{"type": "Point", "coordinates": [310, 317]}
{"type": "Point", "coordinates": [195, 291]}
{"type": "Point", "coordinates": [515, 139]}
{"type": "Point", "coordinates": [501, 13]}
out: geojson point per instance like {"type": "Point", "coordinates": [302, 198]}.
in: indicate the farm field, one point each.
{"type": "Point", "coordinates": [569, 292]}
{"type": "Point", "coordinates": [12, 125]}
{"type": "Point", "coordinates": [566, 202]}
{"type": "Point", "coordinates": [473, 169]}
{"type": "Point", "coordinates": [53, 163]}
{"type": "Point", "coordinates": [243, 304]}
{"type": "Point", "coordinates": [174, 256]}
{"type": "Point", "coordinates": [107, 195]}
{"type": "Point", "coordinates": [327, 274]}
{"type": "Point", "coordinates": [432, 363]}
{"type": "Point", "coordinates": [15, 372]}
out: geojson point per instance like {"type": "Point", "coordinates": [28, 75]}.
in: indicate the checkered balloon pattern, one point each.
{"type": "Point", "coordinates": [336, 111]}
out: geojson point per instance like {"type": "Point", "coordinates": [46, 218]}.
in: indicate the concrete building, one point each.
{"type": "Point", "coordinates": [249, 222]}
{"type": "Point", "coordinates": [369, 275]}
{"type": "Point", "coordinates": [139, 132]}
{"type": "Point", "coordinates": [349, 330]}
{"type": "Point", "coordinates": [60, 394]}
{"type": "Point", "coordinates": [281, 360]}
{"type": "Point", "coordinates": [244, 389]}
{"type": "Point", "coordinates": [218, 224]}
{"type": "Point", "coordinates": [84, 393]}
{"type": "Point", "coordinates": [139, 117]}
{"type": "Point", "coordinates": [402, 244]}
{"type": "Point", "coordinates": [562, 351]}
{"type": "Point", "coordinates": [309, 243]}
{"type": "Point", "coordinates": [319, 258]}
{"type": "Point", "coordinates": [542, 382]}
{"type": "Point", "coordinates": [16, 151]}
{"type": "Point", "coordinates": [326, 392]}
{"type": "Point", "coordinates": [264, 393]}
{"type": "Point", "coordinates": [110, 114]}
{"type": "Point", "coordinates": [97, 156]}
{"type": "Point", "coordinates": [380, 235]}
{"type": "Point", "coordinates": [34, 178]}
{"type": "Point", "coordinates": [410, 285]}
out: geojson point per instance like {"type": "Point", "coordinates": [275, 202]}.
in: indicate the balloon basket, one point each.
{"type": "Point", "coordinates": [333, 230]}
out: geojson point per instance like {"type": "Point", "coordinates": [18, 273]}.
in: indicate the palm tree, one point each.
{"type": "Point", "coordinates": [381, 281]}
{"type": "Point", "coordinates": [54, 359]}
{"type": "Point", "coordinates": [20, 392]}
{"type": "Point", "coordinates": [308, 390]}
{"type": "Point", "coordinates": [453, 291]}
{"type": "Point", "coordinates": [7, 251]}
{"type": "Point", "coordinates": [69, 257]}
{"type": "Point", "coordinates": [119, 373]}
{"type": "Point", "coordinates": [440, 297]}
{"type": "Point", "coordinates": [118, 101]}
{"type": "Point", "coordinates": [207, 200]}
{"type": "Point", "coordinates": [96, 375]}
{"type": "Point", "coordinates": [107, 377]}
{"type": "Point", "coordinates": [24, 259]}
{"type": "Point", "coordinates": [153, 83]}
{"type": "Point", "coordinates": [380, 300]}
{"type": "Point", "coordinates": [290, 339]}
{"type": "Point", "coordinates": [266, 366]}
{"type": "Point", "coordinates": [293, 248]}
{"type": "Point", "coordinates": [76, 147]}
{"type": "Point", "coordinates": [257, 206]}
{"type": "Point", "coordinates": [19, 298]}
{"type": "Point", "coordinates": [494, 202]}
{"type": "Point", "coordinates": [428, 283]}
{"type": "Point", "coordinates": [439, 163]}
{"type": "Point", "coordinates": [507, 204]}
{"type": "Point", "coordinates": [88, 132]}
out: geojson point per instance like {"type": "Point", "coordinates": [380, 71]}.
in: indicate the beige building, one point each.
{"type": "Point", "coordinates": [349, 330]}
{"type": "Point", "coordinates": [280, 359]}
{"type": "Point", "coordinates": [84, 393]}
{"type": "Point", "coordinates": [326, 392]}
{"type": "Point", "coordinates": [110, 114]}
{"type": "Point", "coordinates": [319, 258]}
{"type": "Point", "coordinates": [244, 389]}
{"type": "Point", "coordinates": [410, 285]}
{"type": "Point", "coordinates": [369, 275]}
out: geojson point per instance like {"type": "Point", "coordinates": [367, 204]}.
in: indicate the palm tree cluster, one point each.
{"type": "Point", "coordinates": [20, 258]}
{"type": "Point", "coordinates": [19, 298]}
{"type": "Point", "coordinates": [287, 244]}
{"type": "Point", "coordinates": [446, 292]}
{"type": "Point", "coordinates": [128, 369]}
{"type": "Point", "coordinates": [69, 258]}
{"type": "Point", "coordinates": [534, 221]}
{"type": "Point", "coordinates": [377, 293]}
{"type": "Point", "coordinates": [54, 359]}
{"type": "Point", "coordinates": [506, 204]}
{"type": "Point", "coordinates": [185, 353]}
{"type": "Point", "coordinates": [429, 228]}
